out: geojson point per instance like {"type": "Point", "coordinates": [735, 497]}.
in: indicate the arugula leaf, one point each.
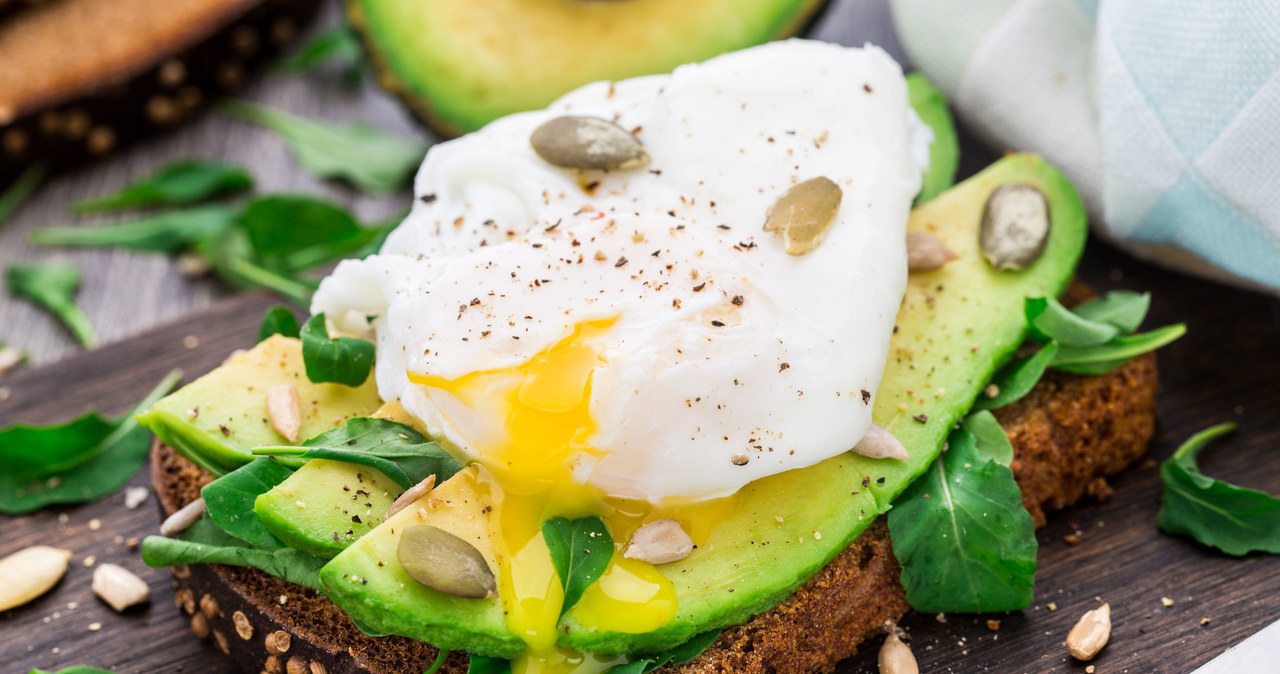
{"type": "Point", "coordinates": [178, 184]}
{"type": "Point", "coordinates": [280, 320]}
{"type": "Point", "coordinates": [580, 552]}
{"type": "Point", "coordinates": [372, 160]}
{"type": "Point", "coordinates": [53, 286]}
{"type": "Point", "coordinates": [1107, 357]}
{"type": "Point", "coordinates": [992, 442]}
{"type": "Point", "coordinates": [1233, 519]}
{"type": "Point", "coordinates": [1017, 378]}
{"type": "Point", "coordinates": [293, 233]}
{"type": "Point", "coordinates": [1050, 320]}
{"type": "Point", "coordinates": [229, 500]}
{"type": "Point", "coordinates": [82, 460]}
{"type": "Point", "coordinates": [232, 258]}
{"type": "Point", "coordinates": [438, 662]}
{"type": "Point", "coordinates": [338, 45]}
{"type": "Point", "coordinates": [482, 665]}
{"type": "Point", "coordinates": [345, 360]}
{"type": "Point", "coordinates": [205, 543]}
{"type": "Point", "coordinates": [77, 669]}
{"type": "Point", "coordinates": [164, 233]}
{"type": "Point", "coordinates": [679, 655]}
{"type": "Point", "coordinates": [1123, 309]}
{"type": "Point", "coordinates": [399, 451]}
{"type": "Point", "coordinates": [16, 193]}
{"type": "Point", "coordinates": [964, 541]}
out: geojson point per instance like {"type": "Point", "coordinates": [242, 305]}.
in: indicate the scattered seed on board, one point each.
{"type": "Point", "coordinates": [415, 492]}
{"type": "Point", "coordinates": [804, 213]}
{"type": "Point", "coordinates": [587, 143]}
{"type": "Point", "coordinates": [284, 410]}
{"type": "Point", "coordinates": [186, 516]}
{"type": "Point", "coordinates": [29, 573]}
{"type": "Point", "coordinates": [659, 542]}
{"type": "Point", "coordinates": [1090, 634]}
{"type": "Point", "coordinates": [926, 252]}
{"type": "Point", "coordinates": [118, 587]}
{"type": "Point", "coordinates": [879, 443]}
{"type": "Point", "coordinates": [896, 657]}
{"type": "Point", "coordinates": [135, 496]}
{"type": "Point", "coordinates": [1015, 226]}
{"type": "Point", "coordinates": [9, 359]}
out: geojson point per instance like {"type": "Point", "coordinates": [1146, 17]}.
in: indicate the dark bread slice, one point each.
{"type": "Point", "coordinates": [1069, 434]}
{"type": "Point", "coordinates": [83, 77]}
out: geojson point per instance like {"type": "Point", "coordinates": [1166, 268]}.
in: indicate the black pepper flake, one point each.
{"type": "Point", "coordinates": [621, 261]}
{"type": "Point", "coordinates": [718, 324]}
{"type": "Point", "coordinates": [591, 186]}
{"type": "Point", "coordinates": [698, 288]}
{"type": "Point", "coordinates": [485, 333]}
{"type": "Point", "coordinates": [866, 88]}
{"type": "Point", "coordinates": [866, 397]}
{"type": "Point", "coordinates": [921, 418]}
{"type": "Point", "coordinates": [428, 198]}
{"type": "Point", "coordinates": [723, 227]}
{"type": "Point", "coordinates": [880, 480]}
{"type": "Point", "coordinates": [356, 519]}
{"type": "Point", "coordinates": [475, 301]}
{"type": "Point", "coordinates": [866, 482]}
{"type": "Point", "coordinates": [225, 431]}
{"type": "Point", "coordinates": [737, 300]}
{"type": "Point", "coordinates": [784, 366]}
{"type": "Point", "coordinates": [537, 245]}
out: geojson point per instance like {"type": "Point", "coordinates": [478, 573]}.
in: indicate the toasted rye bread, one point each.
{"type": "Point", "coordinates": [1068, 434]}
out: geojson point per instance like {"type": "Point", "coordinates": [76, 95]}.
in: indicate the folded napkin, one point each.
{"type": "Point", "coordinates": [1164, 113]}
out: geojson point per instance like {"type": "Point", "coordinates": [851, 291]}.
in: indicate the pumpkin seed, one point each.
{"type": "Point", "coordinates": [1015, 226]}
{"type": "Point", "coordinates": [444, 562]}
{"type": "Point", "coordinates": [29, 573]}
{"type": "Point", "coordinates": [587, 143]}
{"type": "Point", "coordinates": [803, 213]}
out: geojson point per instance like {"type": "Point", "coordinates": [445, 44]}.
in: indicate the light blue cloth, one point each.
{"type": "Point", "coordinates": [1164, 113]}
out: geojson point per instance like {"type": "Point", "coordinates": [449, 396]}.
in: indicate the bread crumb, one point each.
{"type": "Point", "coordinates": [1166, 601]}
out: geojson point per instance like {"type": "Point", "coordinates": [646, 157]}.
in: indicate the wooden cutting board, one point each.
{"type": "Point", "coordinates": [1227, 368]}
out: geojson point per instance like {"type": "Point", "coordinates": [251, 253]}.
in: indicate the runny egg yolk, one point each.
{"type": "Point", "coordinates": [543, 407]}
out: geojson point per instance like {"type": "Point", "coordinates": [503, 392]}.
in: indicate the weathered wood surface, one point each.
{"type": "Point", "coordinates": [1225, 369]}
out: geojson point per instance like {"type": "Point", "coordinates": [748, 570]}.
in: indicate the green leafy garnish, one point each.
{"type": "Point", "coordinates": [233, 259]}
{"type": "Point", "coordinates": [345, 360]}
{"type": "Point", "coordinates": [205, 543]}
{"type": "Point", "coordinates": [483, 665]}
{"type": "Point", "coordinates": [53, 286]}
{"type": "Point", "coordinates": [1233, 519]}
{"type": "Point", "coordinates": [438, 662]}
{"type": "Point", "coordinates": [1107, 357]}
{"type": "Point", "coordinates": [79, 461]}
{"type": "Point", "coordinates": [580, 552]}
{"type": "Point", "coordinates": [169, 232]}
{"type": "Point", "coordinates": [992, 442]}
{"type": "Point", "coordinates": [401, 453]}
{"type": "Point", "coordinates": [77, 669]}
{"type": "Point", "coordinates": [292, 233]}
{"type": "Point", "coordinates": [960, 532]}
{"type": "Point", "coordinates": [1051, 321]}
{"type": "Point", "coordinates": [229, 500]}
{"type": "Point", "coordinates": [370, 159]}
{"type": "Point", "coordinates": [1123, 309]}
{"type": "Point", "coordinates": [178, 184]}
{"type": "Point", "coordinates": [279, 320]}
{"type": "Point", "coordinates": [21, 188]}
{"type": "Point", "coordinates": [944, 151]}
{"type": "Point", "coordinates": [679, 655]}
{"type": "Point", "coordinates": [338, 45]}
{"type": "Point", "coordinates": [1017, 378]}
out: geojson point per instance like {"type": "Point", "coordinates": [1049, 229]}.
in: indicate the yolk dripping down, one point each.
{"type": "Point", "coordinates": [543, 407]}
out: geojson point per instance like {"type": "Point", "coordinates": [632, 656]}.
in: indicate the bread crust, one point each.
{"type": "Point", "coordinates": [1069, 434]}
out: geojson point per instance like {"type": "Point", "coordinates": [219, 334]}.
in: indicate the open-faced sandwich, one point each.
{"type": "Point", "coordinates": [636, 382]}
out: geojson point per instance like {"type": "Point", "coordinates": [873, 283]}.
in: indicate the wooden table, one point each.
{"type": "Point", "coordinates": [1225, 369]}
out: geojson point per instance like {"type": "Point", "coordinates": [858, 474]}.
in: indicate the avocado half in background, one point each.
{"type": "Point", "coordinates": [461, 65]}
{"type": "Point", "coordinates": [81, 78]}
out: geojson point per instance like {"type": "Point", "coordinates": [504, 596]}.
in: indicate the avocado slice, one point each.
{"type": "Point", "coordinates": [944, 154]}
{"type": "Point", "coordinates": [326, 505]}
{"type": "Point", "coordinates": [461, 65]}
{"type": "Point", "coordinates": [216, 420]}
{"type": "Point", "coordinates": [957, 324]}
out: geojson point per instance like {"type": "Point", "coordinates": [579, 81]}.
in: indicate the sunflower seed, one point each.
{"type": "Point", "coordinates": [660, 542]}
{"type": "Point", "coordinates": [576, 142]}
{"type": "Point", "coordinates": [896, 657]}
{"type": "Point", "coordinates": [186, 516]}
{"type": "Point", "coordinates": [926, 252]}
{"type": "Point", "coordinates": [29, 573]}
{"type": "Point", "coordinates": [444, 562]}
{"type": "Point", "coordinates": [415, 492]}
{"type": "Point", "coordinates": [1015, 226]}
{"type": "Point", "coordinates": [879, 443]}
{"type": "Point", "coordinates": [803, 213]}
{"type": "Point", "coordinates": [1090, 634]}
{"type": "Point", "coordinates": [118, 587]}
{"type": "Point", "coordinates": [284, 410]}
